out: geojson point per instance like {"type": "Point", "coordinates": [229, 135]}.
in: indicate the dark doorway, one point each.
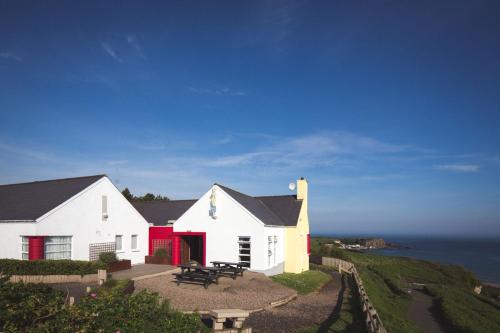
{"type": "Point", "coordinates": [191, 249]}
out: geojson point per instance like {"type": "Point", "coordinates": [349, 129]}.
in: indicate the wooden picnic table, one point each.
{"type": "Point", "coordinates": [195, 273]}
{"type": "Point", "coordinates": [231, 269]}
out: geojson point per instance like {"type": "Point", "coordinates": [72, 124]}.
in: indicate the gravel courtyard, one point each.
{"type": "Point", "coordinates": [252, 291]}
{"type": "Point", "coordinates": [304, 311]}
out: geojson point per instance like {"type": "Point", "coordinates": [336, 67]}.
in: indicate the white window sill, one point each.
{"type": "Point", "coordinates": [136, 250]}
{"type": "Point", "coordinates": [121, 251]}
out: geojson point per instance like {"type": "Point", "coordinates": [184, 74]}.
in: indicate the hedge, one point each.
{"type": "Point", "coordinates": [49, 267]}
{"type": "Point", "coordinates": [35, 308]}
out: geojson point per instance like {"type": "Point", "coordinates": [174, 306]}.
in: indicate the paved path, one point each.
{"type": "Point", "coordinates": [77, 290]}
{"type": "Point", "coordinates": [420, 312]}
{"type": "Point", "coordinates": [305, 311]}
{"type": "Point", "coordinates": [252, 291]}
{"type": "Point", "coordinates": [142, 270]}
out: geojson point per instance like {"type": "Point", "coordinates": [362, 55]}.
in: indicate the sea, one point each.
{"type": "Point", "coordinates": [481, 256]}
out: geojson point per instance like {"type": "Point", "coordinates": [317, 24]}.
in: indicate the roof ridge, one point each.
{"type": "Point", "coordinates": [258, 196]}
{"type": "Point", "coordinates": [53, 180]}
{"type": "Point", "coordinates": [276, 196]}
{"type": "Point", "coordinates": [161, 201]}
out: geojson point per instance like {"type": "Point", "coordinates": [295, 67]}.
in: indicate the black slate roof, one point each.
{"type": "Point", "coordinates": [271, 210]}
{"type": "Point", "coordinates": [286, 207]}
{"type": "Point", "coordinates": [160, 212]}
{"type": "Point", "coordinates": [29, 201]}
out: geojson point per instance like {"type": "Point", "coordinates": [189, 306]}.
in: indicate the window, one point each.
{"type": "Point", "coordinates": [274, 252]}
{"type": "Point", "coordinates": [118, 242]}
{"type": "Point", "coordinates": [58, 247]}
{"type": "Point", "coordinates": [133, 242]}
{"type": "Point", "coordinates": [104, 208]}
{"type": "Point", "coordinates": [244, 250]}
{"type": "Point", "coordinates": [269, 252]}
{"type": "Point", "coordinates": [24, 248]}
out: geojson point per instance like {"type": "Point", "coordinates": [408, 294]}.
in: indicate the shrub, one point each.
{"type": "Point", "coordinates": [38, 308]}
{"type": "Point", "coordinates": [23, 305]}
{"type": "Point", "coordinates": [108, 257]}
{"type": "Point", "coordinates": [49, 267]}
{"type": "Point", "coordinates": [161, 253]}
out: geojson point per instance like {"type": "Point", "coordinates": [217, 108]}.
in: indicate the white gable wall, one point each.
{"type": "Point", "coordinates": [81, 218]}
{"type": "Point", "coordinates": [10, 246]}
{"type": "Point", "coordinates": [222, 234]}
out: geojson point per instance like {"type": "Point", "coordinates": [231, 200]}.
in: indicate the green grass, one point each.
{"type": "Point", "coordinates": [350, 318]}
{"type": "Point", "coordinates": [304, 282]}
{"type": "Point", "coordinates": [386, 280]}
{"type": "Point", "coordinates": [464, 311]}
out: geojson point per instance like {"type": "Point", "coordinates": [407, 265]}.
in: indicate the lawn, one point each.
{"type": "Point", "coordinates": [304, 282]}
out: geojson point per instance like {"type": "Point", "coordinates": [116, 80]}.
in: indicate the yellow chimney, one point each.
{"type": "Point", "coordinates": [302, 189]}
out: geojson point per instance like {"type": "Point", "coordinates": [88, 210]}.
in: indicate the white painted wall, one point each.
{"type": "Point", "coordinates": [81, 218]}
{"type": "Point", "coordinates": [10, 246]}
{"type": "Point", "coordinates": [222, 234]}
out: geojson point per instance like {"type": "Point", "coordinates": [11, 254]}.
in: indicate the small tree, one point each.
{"type": "Point", "coordinates": [161, 252]}
{"type": "Point", "coordinates": [148, 197]}
{"type": "Point", "coordinates": [126, 193]}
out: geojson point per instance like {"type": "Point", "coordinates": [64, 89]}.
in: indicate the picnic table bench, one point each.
{"type": "Point", "coordinates": [201, 274]}
{"type": "Point", "coordinates": [231, 269]}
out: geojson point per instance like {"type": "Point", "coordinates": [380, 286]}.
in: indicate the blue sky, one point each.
{"type": "Point", "coordinates": [391, 109]}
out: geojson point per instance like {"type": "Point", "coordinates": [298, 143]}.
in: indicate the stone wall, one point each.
{"type": "Point", "coordinates": [89, 278]}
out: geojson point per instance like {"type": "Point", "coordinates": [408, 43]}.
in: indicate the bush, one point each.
{"type": "Point", "coordinates": [108, 257]}
{"type": "Point", "coordinates": [38, 308]}
{"type": "Point", "coordinates": [22, 305]}
{"type": "Point", "coordinates": [49, 267]}
{"type": "Point", "coordinates": [161, 253]}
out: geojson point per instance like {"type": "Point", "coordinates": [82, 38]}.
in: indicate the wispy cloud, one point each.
{"type": "Point", "coordinates": [134, 43]}
{"type": "Point", "coordinates": [10, 56]}
{"type": "Point", "coordinates": [110, 51]}
{"type": "Point", "coordinates": [148, 146]}
{"type": "Point", "coordinates": [309, 151]}
{"type": "Point", "coordinates": [223, 91]}
{"type": "Point", "coordinates": [324, 143]}
{"type": "Point", "coordinates": [27, 153]}
{"type": "Point", "coordinates": [116, 162]}
{"type": "Point", "coordinates": [458, 167]}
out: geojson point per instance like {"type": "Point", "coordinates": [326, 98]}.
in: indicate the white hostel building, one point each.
{"type": "Point", "coordinates": [268, 234]}
{"type": "Point", "coordinates": [74, 218]}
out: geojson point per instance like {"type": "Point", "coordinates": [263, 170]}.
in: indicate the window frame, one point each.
{"type": "Point", "coordinates": [242, 242]}
{"type": "Point", "coordinates": [136, 248]}
{"type": "Point", "coordinates": [27, 252]}
{"type": "Point", "coordinates": [118, 250]}
{"type": "Point", "coordinates": [46, 244]}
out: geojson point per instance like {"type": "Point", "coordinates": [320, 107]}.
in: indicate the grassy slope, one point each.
{"type": "Point", "coordinates": [386, 278]}
{"type": "Point", "coordinates": [351, 318]}
{"type": "Point", "coordinates": [305, 282]}
{"type": "Point", "coordinates": [465, 312]}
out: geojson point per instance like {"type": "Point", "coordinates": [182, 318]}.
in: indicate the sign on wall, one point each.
{"type": "Point", "coordinates": [213, 205]}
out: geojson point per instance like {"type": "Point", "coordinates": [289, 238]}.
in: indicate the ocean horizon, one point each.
{"type": "Point", "coordinates": [479, 255]}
